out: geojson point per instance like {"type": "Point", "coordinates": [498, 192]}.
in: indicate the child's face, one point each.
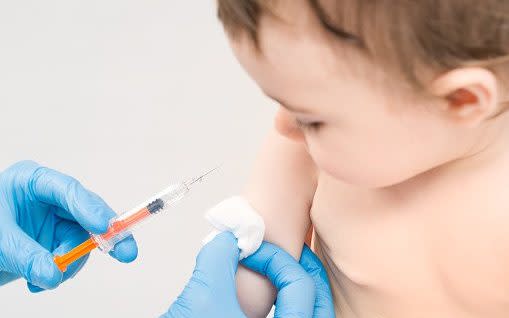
{"type": "Point", "coordinates": [358, 124]}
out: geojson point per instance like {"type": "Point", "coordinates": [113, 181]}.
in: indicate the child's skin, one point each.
{"type": "Point", "coordinates": [407, 191]}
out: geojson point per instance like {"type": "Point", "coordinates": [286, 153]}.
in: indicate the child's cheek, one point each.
{"type": "Point", "coordinates": [330, 158]}
{"type": "Point", "coordinates": [353, 163]}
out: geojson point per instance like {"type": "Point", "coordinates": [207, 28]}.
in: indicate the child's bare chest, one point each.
{"type": "Point", "coordinates": [435, 253]}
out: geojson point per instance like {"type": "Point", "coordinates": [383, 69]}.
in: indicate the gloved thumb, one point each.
{"type": "Point", "coordinates": [21, 255]}
{"type": "Point", "coordinates": [217, 262]}
{"type": "Point", "coordinates": [211, 290]}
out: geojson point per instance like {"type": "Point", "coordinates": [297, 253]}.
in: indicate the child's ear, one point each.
{"type": "Point", "coordinates": [469, 95]}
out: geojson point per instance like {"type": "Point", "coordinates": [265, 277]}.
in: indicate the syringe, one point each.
{"type": "Point", "coordinates": [121, 226]}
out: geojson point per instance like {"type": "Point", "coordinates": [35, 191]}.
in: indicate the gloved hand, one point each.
{"type": "Point", "coordinates": [294, 297]}
{"type": "Point", "coordinates": [303, 289]}
{"type": "Point", "coordinates": [42, 212]}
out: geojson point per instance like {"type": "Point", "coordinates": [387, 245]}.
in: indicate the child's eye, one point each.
{"type": "Point", "coordinates": [309, 126]}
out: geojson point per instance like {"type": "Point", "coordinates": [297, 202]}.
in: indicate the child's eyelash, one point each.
{"type": "Point", "coordinates": [309, 126]}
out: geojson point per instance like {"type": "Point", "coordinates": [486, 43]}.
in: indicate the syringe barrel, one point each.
{"type": "Point", "coordinates": [106, 245]}
{"type": "Point", "coordinates": [121, 226]}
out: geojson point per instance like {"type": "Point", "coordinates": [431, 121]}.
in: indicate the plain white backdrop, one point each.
{"type": "Point", "coordinates": [126, 96]}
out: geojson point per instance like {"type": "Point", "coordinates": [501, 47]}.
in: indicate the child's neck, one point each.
{"type": "Point", "coordinates": [491, 147]}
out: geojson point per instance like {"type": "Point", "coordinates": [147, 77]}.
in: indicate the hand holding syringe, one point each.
{"type": "Point", "coordinates": [121, 226]}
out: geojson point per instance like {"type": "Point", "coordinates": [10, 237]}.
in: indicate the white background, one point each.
{"type": "Point", "coordinates": [126, 96]}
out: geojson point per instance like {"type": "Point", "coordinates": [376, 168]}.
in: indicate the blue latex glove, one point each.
{"type": "Point", "coordinates": [303, 289]}
{"type": "Point", "coordinates": [294, 297]}
{"type": "Point", "coordinates": [42, 212]}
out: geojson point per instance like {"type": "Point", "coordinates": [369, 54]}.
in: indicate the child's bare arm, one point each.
{"type": "Point", "coordinates": [281, 189]}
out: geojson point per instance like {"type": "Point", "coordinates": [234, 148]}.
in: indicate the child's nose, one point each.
{"type": "Point", "coordinates": [285, 124]}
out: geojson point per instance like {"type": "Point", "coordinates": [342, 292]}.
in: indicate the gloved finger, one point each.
{"type": "Point", "coordinates": [23, 256]}
{"type": "Point", "coordinates": [212, 284]}
{"type": "Point", "coordinates": [296, 289]}
{"type": "Point", "coordinates": [126, 250]}
{"type": "Point", "coordinates": [72, 270]}
{"type": "Point", "coordinates": [324, 305]}
{"type": "Point", "coordinates": [55, 188]}
{"type": "Point", "coordinates": [217, 262]}
{"type": "Point", "coordinates": [219, 255]}
{"type": "Point", "coordinates": [6, 277]}
{"type": "Point", "coordinates": [68, 235]}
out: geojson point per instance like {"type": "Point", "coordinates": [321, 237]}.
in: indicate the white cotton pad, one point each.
{"type": "Point", "coordinates": [237, 216]}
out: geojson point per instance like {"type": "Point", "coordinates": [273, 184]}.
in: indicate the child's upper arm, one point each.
{"type": "Point", "coordinates": [281, 190]}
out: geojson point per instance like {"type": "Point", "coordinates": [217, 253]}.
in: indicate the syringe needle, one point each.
{"type": "Point", "coordinates": [200, 178]}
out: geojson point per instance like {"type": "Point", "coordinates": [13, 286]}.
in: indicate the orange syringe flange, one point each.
{"type": "Point", "coordinates": [75, 254]}
{"type": "Point", "coordinates": [116, 227]}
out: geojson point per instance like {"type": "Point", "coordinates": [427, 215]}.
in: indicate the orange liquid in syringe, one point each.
{"type": "Point", "coordinates": [122, 225]}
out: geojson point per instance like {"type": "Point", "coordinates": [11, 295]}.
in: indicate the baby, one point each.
{"type": "Point", "coordinates": [390, 143]}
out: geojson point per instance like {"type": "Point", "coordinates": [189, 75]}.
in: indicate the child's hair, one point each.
{"type": "Point", "coordinates": [436, 34]}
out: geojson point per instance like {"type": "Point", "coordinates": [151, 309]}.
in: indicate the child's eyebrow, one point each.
{"type": "Point", "coordinates": [288, 106]}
